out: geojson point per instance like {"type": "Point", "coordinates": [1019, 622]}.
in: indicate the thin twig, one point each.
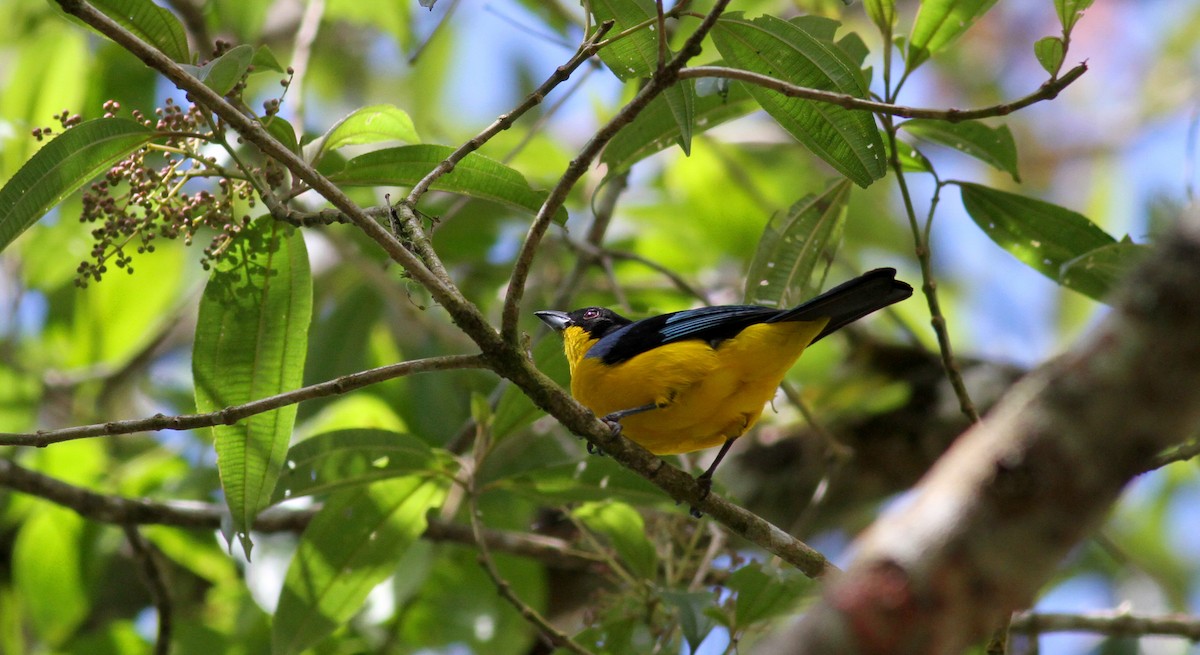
{"type": "Point", "coordinates": [1117, 623]}
{"type": "Point", "coordinates": [557, 638]}
{"type": "Point", "coordinates": [929, 287]}
{"type": "Point", "coordinates": [234, 413]}
{"type": "Point", "coordinates": [662, 78]}
{"type": "Point", "coordinates": [152, 575]}
{"type": "Point", "coordinates": [1047, 91]}
{"type": "Point", "coordinates": [504, 121]}
{"type": "Point", "coordinates": [1181, 453]}
{"type": "Point", "coordinates": [437, 29]}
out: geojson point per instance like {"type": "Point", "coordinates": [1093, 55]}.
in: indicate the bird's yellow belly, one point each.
{"type": "Point", "coordinates": [705, 396]}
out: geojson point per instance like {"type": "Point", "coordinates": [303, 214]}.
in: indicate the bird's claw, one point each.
{"type": "Point", "coordinates": [705, 483]}
{"type": "Point", "coordinates": [613, 423]}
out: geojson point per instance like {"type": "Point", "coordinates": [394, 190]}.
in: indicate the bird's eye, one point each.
{"type": "Point", "coordinates": [591, 312]}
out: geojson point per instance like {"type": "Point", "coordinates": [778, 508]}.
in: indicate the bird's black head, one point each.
{"type": "Point", "coordinates": [596, 321]}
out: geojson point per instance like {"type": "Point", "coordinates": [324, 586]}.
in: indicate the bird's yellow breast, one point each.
{"type": "Point", "coordinates": [706, 394]}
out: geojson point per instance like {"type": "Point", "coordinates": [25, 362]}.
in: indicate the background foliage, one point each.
{"type": "Point", "coordinates": [369, 487]}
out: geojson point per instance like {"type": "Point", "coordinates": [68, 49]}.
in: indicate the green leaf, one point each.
{"type": "Point", "coordinates": [48, 572]}
{"type": "Point", "coordinates": [636, 55]}
{"type": "Point", "coordinates": [251, 340]}
{"type": "Point", "coordinates": [1050, 52]}
{"type": "Point", "coordinates": [763, 594]}
{"type": "Point", "coordinates": [882, 13]}
{"type": "Point", "coordinates": [349, 547]}
{"type": "Point", "coordinates": [623, 527]}
{"type": "Point", "coordinates": [589, 479]}
{"type": "Point", "coordinates": [1070, 11]}
{"type": "Point", "coordinates": [796, 245]}
{"type": "Point", "coordinates": [282, 131]}
{"type": "Point", "coordinates": [1096, 272]}
{"type": "Point", "coordinates": [265, 59]}
{"type": "Point", "coordinates": [1043, 235]}
{"type": "Point", "coordinates": [803, 53]}
{"type": "Point", "coordinates": [367, 125]}
{"type": "Point", "coordinates": [655, 128]}
{"type": "Point", "coordinates": [939, 23]}
{"type": "Point", "coordinates": [993, 146]}
{"type": "Point", "coordinates": [224, 72]}
{"type": "Point", "coordinates": [151, 23]}
{"type": "Point", "coordinates": [331, 461]}
{"type": "Point", "coordinates": [62, 166]}
{"type": "Point", "coordinates": [475, 176]}
{"type": "Point", "coordinates": [690, 607]}
{"type": "Point", "coordinates": [911, 159]}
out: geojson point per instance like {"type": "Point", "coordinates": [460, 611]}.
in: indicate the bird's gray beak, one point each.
{"type": "Point", "coordinates": [557, 320]}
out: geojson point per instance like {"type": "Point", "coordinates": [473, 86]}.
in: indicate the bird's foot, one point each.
{"type": "Point", "coordinates": [593, 449]}
{"type": "Point", "coordinates": [705, 482]}
{"type": "Point", "coordinates": [613, 421]}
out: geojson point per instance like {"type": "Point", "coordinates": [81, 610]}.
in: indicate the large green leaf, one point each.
{"type": "Point", "coordinates": [993, 146]}
{"type": "Point", "coordinates": [151, 23]}
{"type": "Point", "coordinates": [62, 166]}
{"type": "Point", "coordinates": [795, 246]}
{"type": "Point", "coordinates": [623, 527]}
{"type": "Point", "coordinates": [251, 340]}
{"type": "Point", "coordinates": [330, 461]}
{"type": "Point", "coordinates": [636, 56]}
{"type": "Point", "coordinates": [762, 594]}
{"type": "Point", "coordinates": [804, 53]}
{"type": "Point", "coordinates": [475, 176]}
{"type": "Point", "coordinates": [366, 125]}
{"type": "Point", "coordinates": [349, 547]}
{"type": "Point", "coordinates": [939, 23]}
{"type": "Point", "coordinates": [655, 128]}
{"type": "Point", "coordinates": [1097, 271]}
{"type": "Point", "coordinates": [1049, 238]}
{"type": "Point", "coordinates": [48, 563]}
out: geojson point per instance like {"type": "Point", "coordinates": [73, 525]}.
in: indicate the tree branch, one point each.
{"type": "Point", "coordinates": [1119, 623]}
{"type": "Point", "coordinates": [1047, 91]}
{"type": "Point", "coordinates": [233, 414]}
{"type": "Point", "coordinates": [119, 510]}
{"type": "Point", "coordinates": [991, 521]}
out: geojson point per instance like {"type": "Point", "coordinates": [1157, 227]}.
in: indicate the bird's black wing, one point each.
{"type": "Point", "coordinates": [711, 324]}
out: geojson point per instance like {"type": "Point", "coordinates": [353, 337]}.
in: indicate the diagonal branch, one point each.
{"type": "Point", "coordinates": [1047, 91]}
{"type": "Point", "coordinates": [1119, 623]}
{"type": "Point", "coordinates": [664, 77]}
{"type": "Point", "coordinates": [234, 413]}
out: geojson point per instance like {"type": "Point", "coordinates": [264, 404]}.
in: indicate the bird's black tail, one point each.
{"type": "Point", "coordinates": [850, 300]}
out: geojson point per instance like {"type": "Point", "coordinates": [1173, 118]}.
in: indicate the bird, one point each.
{"type": "Point", "coordinates": [699, 378]}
